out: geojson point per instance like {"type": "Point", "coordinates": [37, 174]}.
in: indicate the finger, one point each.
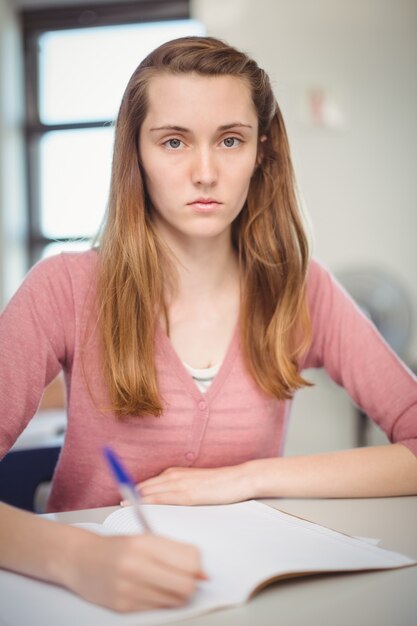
{"type": "Point", "coordinates": [142, 596]}
{"type": "Point", "coordinates": [162, 495]}
{"type": "Point", "coordinates": [169, 583]}
{"type": "Point", "coordinates": [151, 481]}
{"type": "Point", "coordinates": [172, 483]}
{"type": "Point", "coordinates": [169, 474]}
{"type": "Point", "coordinates": [180, 557]}
{"type": "Point", "coordinates": [154, 487]}
{"type": "Point", "coordinates": [158, 572]}
{"type": "Point", "coordinates": [176, 472]}
{"type": "Point", "coordinates": [168, 496]}
{"type": "Point", "coordinates": [149, 491]}
{"type": "Point", "coordinates": [174, 584]}
{"type": "Point", "coordinates": [183, 498]}
{"type": "Point", "coordinates": [158, 596]}
{"type": "Point", "coordinates": [166, 485]}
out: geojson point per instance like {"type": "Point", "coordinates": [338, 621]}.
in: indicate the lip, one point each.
{"type": "Point", "coordinates": [204, 204]}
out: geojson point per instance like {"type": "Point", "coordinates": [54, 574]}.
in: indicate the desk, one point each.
{"type": "Point", "coordinates": [385, 598]}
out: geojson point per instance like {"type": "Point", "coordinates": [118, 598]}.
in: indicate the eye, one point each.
{"type": "Point", "coordinates": [231, 142]}
{"type": "Point", "coordinates": [173, 144]}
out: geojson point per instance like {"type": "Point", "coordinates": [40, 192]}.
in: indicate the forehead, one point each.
{"type": "Point", "coordinates": [184, 98]}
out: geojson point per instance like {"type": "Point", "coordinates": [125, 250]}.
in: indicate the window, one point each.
{"type": "Point", "coordinates": [77, 64]}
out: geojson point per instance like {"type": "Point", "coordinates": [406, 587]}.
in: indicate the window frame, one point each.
{"type": "Point", "coordinates": [33, 24]}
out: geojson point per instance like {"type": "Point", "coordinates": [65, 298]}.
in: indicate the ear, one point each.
{"type": "Point", "coordinates": [259, 156]}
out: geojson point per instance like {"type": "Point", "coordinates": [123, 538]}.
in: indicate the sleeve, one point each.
{"type": "Point", "coordinates": [35, 334]}
{"type": "Point", "coordinates": [349, 347]}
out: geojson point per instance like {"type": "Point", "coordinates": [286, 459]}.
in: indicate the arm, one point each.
{"type": "Point", "coordinates": [121, 573]}
{"type": "Point", "coordinates": [33, 344]}
{"type": "Point", "coordinates": [359, 473]}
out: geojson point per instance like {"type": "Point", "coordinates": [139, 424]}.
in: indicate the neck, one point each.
{"type": "Point", "coordinates": [204, 267]}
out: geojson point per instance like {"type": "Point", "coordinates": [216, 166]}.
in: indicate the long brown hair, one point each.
{"type": "Point", "coordinates": [272, 247]}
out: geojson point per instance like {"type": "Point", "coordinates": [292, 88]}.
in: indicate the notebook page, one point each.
{"type": "Point", "coordinates": [273, 543]}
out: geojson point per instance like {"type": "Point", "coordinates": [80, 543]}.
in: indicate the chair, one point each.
{"type": "Point", "coordinates": [22, 471]}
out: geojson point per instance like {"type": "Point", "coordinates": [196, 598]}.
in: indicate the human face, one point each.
{"type": "Point", "coordinates": [198, 148]}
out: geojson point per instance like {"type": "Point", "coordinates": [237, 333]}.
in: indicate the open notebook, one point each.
{"type": "Point", "coordinates": [245, 546]}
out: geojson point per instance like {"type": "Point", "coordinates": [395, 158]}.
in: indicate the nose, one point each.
{"type": "Point", "coordinates": [204, 167]}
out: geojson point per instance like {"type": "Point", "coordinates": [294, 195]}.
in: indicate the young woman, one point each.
{"type": "Point", "coordinates": [183, 334]}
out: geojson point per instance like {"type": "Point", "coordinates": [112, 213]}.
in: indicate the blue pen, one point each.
{"type": "Point", "coordinates": [127, 487]}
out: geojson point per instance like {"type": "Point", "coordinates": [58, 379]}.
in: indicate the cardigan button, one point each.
{"type": "Point", "coordinates": [190, 456]}
{"type": "Point", "coordinates": [202, 405]}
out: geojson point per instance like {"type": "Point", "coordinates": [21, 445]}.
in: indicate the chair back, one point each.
{"type": "Point", "coordinates": [22, 471]}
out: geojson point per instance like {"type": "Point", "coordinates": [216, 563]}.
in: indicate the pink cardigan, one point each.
{"type": "Point", "coordinates": [43, 330]}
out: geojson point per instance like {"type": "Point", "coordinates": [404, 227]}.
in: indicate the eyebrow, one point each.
{"type": "Point", "coordinates": [182, 129]}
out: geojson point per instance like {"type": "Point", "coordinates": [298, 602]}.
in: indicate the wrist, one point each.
{"type": "Point", "coordinates": [65, 560]}
{"type": "Point", "coordinates": [262, 478]}
{"type": "Point", "coordinates": [255, 478]}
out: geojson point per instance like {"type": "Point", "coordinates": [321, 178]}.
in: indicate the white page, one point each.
{"type": "Point", "coordinates": [272, 542]}
{"type": "Point", "coordinates": [242, 545]}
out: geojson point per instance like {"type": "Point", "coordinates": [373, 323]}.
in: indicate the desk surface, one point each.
{"type": "Point", "coordinates": [384, 598]}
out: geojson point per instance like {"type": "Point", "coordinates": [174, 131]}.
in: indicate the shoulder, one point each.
{"type": "Point", "coordinates": [73, 266]}
{"type": "Point", "coordinates": [328, 300]}
{"type": "Point", "coordinates": [64, 278]}
{"type": "Point", "coordinates": [80, 263]}
{"type": "Point", "coordinates": [317, 272]}
{"type": "Point", "coordinates": [320, 283]}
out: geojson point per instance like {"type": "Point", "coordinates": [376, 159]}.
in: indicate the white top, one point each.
{"type": "Point", "coordinates": [203, 377]}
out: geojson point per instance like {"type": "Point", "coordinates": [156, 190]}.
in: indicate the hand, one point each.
{"type": "Point", "coordinates": [134, 573]}
{"type": "Point", "coordinates": [189, 485]}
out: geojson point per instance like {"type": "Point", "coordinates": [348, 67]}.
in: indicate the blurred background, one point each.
{"type": "Point", "coordinates": [345, 75]}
